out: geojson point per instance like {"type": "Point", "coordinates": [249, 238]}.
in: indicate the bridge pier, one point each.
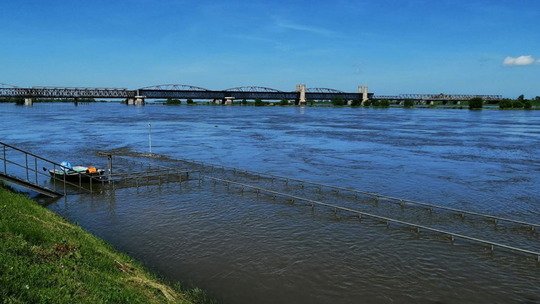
{"type": "Point", "coordinates": [302, 90]}
{"type": "Point", "coordinates": [229, 100]}
{"type": "Point", "coordinates": [140, 100]}
{"type": "Point", "coordinates": [137, 101]}
{"type": "Point", "coordinates": [364, 93]}
{"type": "Point", "coordinates": [28, 102]}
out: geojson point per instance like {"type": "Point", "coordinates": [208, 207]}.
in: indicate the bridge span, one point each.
{"type": "Point", "coordinates": [430, 98]}
{"type": "Point", "coordinates": [174, 91]}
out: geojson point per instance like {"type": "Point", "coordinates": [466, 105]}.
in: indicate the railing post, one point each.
{"type": "Point", "coordinates": [64, 175]}
{"type": "Point", "coordinates": [5, 166]}
{"type": "Point", "coordinates": [54, 179]}
{"type": "Point", "coordinates": [35, 169]}
{"type": "Point", "coordinates": [26, 159]}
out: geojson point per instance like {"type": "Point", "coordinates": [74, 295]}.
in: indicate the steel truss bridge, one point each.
{"type": "Point", "coordinates": [178, 91]}
{"type": "Point", "coordinates": [58, 92]}
{"type": "Point", "coordinates": [249, 92]}
{"type": "Point", "coordinates": [436, 97]}
{"type": "Point", "coordinates": [174, 91]}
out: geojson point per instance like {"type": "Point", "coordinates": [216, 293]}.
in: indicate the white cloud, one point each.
{"type": "Point", "coordinates": [521, 60]}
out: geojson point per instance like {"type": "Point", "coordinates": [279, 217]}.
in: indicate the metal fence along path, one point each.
{"type": "Point", "coordinates": [453, 224]}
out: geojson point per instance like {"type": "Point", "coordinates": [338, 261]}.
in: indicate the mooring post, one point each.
{"type": "Point", "coordinates": [150, 137]}
{"type": "Point", "coordinates": [109, 161]}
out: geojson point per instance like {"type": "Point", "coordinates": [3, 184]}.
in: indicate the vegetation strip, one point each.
{"type": "Point", "coordinates": [45, 259]}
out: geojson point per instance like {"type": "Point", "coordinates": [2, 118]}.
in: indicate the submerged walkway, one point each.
{"type": "Point", "coordinates": [424, 219]}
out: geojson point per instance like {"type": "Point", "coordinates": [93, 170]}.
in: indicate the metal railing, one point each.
{"type": "Point", "coordinates": [376, 196]}
{"type": "Point", "coordinates": [452, 236]}
{"type": "Point", "coordinates": [17, 162]}
{"type": "Point", "coordinates": [150, 174]}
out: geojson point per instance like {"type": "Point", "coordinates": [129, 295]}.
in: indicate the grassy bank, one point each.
{"type": "Point", "coordinates": [45, 259]}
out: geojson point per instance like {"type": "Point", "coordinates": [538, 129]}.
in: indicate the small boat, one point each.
{"type": "Point", "coordinates": [76, 173]}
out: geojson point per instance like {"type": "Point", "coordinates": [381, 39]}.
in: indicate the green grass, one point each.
{"type": "Point", "coordinates": [45, 259]}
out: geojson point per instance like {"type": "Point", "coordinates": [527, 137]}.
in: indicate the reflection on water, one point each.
{"type": "Point", "coordinates": [249, 249]}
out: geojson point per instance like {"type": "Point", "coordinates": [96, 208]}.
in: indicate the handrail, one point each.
{"type": "Point", "coordinates": [387, 219]}
{"type": "Point", "coordinates": [377, 196]}
{"type": "Point", "coordinates": [38, 172]}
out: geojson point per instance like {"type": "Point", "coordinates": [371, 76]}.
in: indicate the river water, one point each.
{"type": "Point", "coordinates": [246, 248]}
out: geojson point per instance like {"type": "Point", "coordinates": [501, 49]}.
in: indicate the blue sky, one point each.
{"type": "Point", "coordinates": [394, 47]}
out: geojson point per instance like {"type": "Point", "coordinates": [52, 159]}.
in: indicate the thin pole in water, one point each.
{"type": "Point", "coordinates": [150, 137]}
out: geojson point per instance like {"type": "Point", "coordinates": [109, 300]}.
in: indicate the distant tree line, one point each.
{"type": "Point", "coordinates": [519, 103]}
{"type": "Point", "coordinates": [178, 101]}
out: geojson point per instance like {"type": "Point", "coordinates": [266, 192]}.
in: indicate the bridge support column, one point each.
{"type": "Point", "coordinates": [365, 94]}
{"type": "Point", "coordinates": [229, 100]}
{"type": "Point", "coordinates": [302, 95]}
{"type": "Point", "coordinates": [76, 101]}
{"type": "Point", "coordinates": [28, 102]}
{"type": "Point", "coordinates": [130, 101]}
{"type": "Point", "coordinates": [139, 100]}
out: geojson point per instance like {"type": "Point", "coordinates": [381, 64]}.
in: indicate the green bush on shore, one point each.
{"type": "Point", "coordinates": [45, 259]}
{"type": "Point", "coordinates": [476, 103]}
{"type": "Point", "coordinates": [408, 103]}
{"type": "Point", "coordinates": [173, 101]}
